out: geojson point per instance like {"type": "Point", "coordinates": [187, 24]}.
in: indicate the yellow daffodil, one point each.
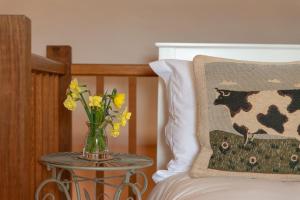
{"type": "Point", "coordinates": [115, 132]}
{"type": "Point", "coordinates": [69, 103]}
{"type": "Point", "coordinates": [95, 101]}
{"type": "Point", "coordinates": [74, 95]}
{"type": "Point", "coordinates": [124, 117]}
{"type": "Point", "coordinates": [119, 100]}
{"type": "Point", "coordinates": [74, 87]}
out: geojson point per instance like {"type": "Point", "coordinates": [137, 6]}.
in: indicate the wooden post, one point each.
{"type": "Point", "coordinates": [132, 108]}
{"type": "Point", "coordinates": [99, 174]}
{"type": "Point", "coordinates": [16, 139]}
{"type": "Point", "coordinates": [132, 135]}
{"type": "Point", "coordinates": [63, 54]}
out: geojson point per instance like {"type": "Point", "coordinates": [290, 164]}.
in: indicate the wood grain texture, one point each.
{"type": "Point", "coordinates": [112, 70]}
{"type": "Point", "coordinates": [99, 174]}
{"type": "Point", "coordinates": [45, 92]}
{"type": "Point", "coordinates": [41, 64]}
{"type": "Point", "coordinates": [63, 54]}
{"type": "Point", "coordinates": [45, 123]}
{"type": "Point", "coordinates": [56, 113]}
{"type": "Point", "coordinates": [33, 141]}
{"type": "Point", "coordinates": [99, 85]}
{"type": "Point", "coordinates": [132, 134]}
{"type": "Point", "coordinates": [15, 115]}
{"type": "Point", "coordinates": [30, 105]}
{"type": "Point", "coordinates": [38, 129]}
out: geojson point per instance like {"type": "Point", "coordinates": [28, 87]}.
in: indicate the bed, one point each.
{"type": "Point", "coordinates": [179, 185]}
{"type": "Point", "coordinates": [182, 187]}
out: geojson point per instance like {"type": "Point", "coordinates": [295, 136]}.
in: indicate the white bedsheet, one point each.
{"type": "Point", "coordinates": [182, 187]}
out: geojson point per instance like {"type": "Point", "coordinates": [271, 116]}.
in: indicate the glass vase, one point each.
{"type": "Point", "coordinates": [96, 143]}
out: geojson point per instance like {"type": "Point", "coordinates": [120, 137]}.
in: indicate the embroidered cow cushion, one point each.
{"type": "Point", "coordinates": [248, 118]}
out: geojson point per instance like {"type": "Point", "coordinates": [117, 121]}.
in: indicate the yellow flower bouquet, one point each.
{"type": "Point", "coordinates": [103, 112]}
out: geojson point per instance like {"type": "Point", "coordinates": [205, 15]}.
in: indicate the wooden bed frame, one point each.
{"type": "Point", "coordinates": [33, 120]}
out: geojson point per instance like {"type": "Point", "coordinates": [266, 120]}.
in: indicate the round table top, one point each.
{"type": "Point", "coordinates": [72, 160]}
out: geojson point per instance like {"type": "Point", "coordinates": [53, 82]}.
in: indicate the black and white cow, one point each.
{"type": "Point", "coordinates": [273, 112]}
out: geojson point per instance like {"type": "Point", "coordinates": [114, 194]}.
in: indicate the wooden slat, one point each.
{"type": "Point", "coordinates": [56, 112]}
{"type": "Point", "coordinates": [132, 94]}
{"type": "Point", "coordinates": [53, 122]}
{"type": "Point", "coordinates": [33, 142]}
{"type": "Point", "coordinates": [132, 134]}
{"type": "Point", "coordinates": [50, 117]}
{"type": "Point", "coordinates": [45, 121]}
{"type": "Point", "coordinates": [45, 124]}
{"type": "Point", "coordinates": [51, 114]}
{"type": "Point", "coordinates": [41, 64]}
{"type": "Point", "coordinates": [63, 54]}
{"type": "Point", "coordinates": [99, 174]}
{"type": "Point", "coordinates": [38, 129]}
{"type": "Point", "coordinates": [56, 116]}
{"type": "Point", "coordinates": [15, 126]}
{"type": "Point", "coordinates": [112, 70]}
{"type": "Point", "coordinates": [99, 85]}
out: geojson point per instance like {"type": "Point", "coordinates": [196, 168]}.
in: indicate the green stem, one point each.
{"type": "Point", "coordinates": [85, 107]}
{"type": "Point", "coordinates": [106, 106]}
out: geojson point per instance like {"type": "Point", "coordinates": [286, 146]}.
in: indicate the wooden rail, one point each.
{"type": "Point", "coordinates": [112, 70]}
{"type": "Point", "coordinates": [42, 64]}
{"type": "Point", "coordinates": [33, 121]}
{"type": "Point", "coordinates": [51, 121]}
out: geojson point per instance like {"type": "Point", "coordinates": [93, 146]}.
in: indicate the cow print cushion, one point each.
{"type": "Point", "coordinates": [248, 118]}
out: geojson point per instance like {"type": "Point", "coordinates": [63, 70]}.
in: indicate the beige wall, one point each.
{"type": "Point", "coordinates": [124, 31]}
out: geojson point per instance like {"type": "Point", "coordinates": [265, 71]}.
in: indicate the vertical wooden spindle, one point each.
{"type": "Point", "coordinates": [56, 112]}
{"type": "Point", "coordinates": [38, 127]}
{"type": "Point", "coordinates": [100, 174]}
{"type": "Point", "coordinates": [132, 135]}
{"type": "Point", "coordinates": [33, 142]}
{"type": "Point", "coordinates": [63, 54]}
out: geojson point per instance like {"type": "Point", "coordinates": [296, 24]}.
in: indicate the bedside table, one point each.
{"type": "Point", "coordinates": [67, 162]}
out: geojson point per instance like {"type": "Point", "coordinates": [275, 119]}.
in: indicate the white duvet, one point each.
{"type": "Point", "coordinates": [182, 187]}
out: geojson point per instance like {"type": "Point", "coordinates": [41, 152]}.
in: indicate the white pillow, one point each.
{"type": "Point", "coordinates": [180, 130]}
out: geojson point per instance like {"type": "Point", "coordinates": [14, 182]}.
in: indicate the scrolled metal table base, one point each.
{"type": "Point", "coordinates": [133, 186]}
{"type": "Point", "coordinates": [64, 185]}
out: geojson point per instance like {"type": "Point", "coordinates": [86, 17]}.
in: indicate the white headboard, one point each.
{"type": "Point", "coordinates": [187, 51]}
